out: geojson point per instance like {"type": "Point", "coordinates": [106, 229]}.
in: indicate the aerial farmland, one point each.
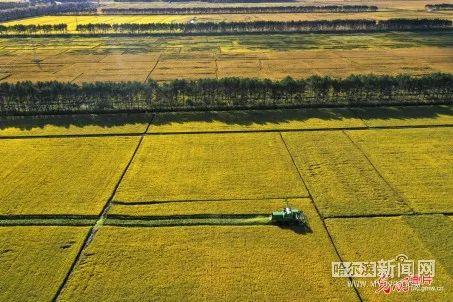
{"type": "Point", "coordinates": [226, 150]}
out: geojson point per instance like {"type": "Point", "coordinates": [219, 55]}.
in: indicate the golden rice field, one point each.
{"type": "Point", "coordinates": [383, 5]}
{"type": "Point", "coordinates": [418, 237]}
{"type": "Point", "coordinates": [207, 263]}
{"type": "Point", "coordinates": [35, 260]}
{"type": "Point", "coordinates": [73, 21]}
{"type": "Point", "coordinates": [62, 176]}
{"type": "Point", "coordinates": [417, 163]}
{"type": "Point", "coordinates": [84, 59]}
{"type": "Point", "coordinates": [210, 167]}
{"type": "Point", "coordinates": [214, 177]}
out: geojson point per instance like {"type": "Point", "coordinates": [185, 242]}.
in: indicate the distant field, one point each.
{"type": "Point", "coordinates": [208, 263]}
{"type": "Point", "coordinates": [210, 167]}
{"type": "Point", "coordinates": [72, 21]}
{"type": "Point", "coordinates": [35, 260]}
{"type": "Point", "coordinates": [61, 175]}
{"type": "Point", "coordinates": [271, 56]}
{"type": "Point", "coordinates": [382, 4]}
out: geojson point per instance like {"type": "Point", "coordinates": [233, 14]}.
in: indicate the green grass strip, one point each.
{"type": "Point", "coordinates": [48, 221]}
{"type": "Point", "coordinates": [258, 220]}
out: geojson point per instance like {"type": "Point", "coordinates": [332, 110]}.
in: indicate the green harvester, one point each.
{"type": "Point", "coordinates": [288, 215]}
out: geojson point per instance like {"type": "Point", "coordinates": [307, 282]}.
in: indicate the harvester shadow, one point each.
{"type": "Point", "coordinates": [301, 229]}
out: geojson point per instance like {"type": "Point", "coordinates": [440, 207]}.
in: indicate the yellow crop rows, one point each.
{"type": "Point", "coordinates": [60, 175]}
{"type": "Point", "coordinates": [416, 162]}
{"type": "Point", "coordinates": [35, 260]}
{"type": "Point", "coordinates": [208, 263]}
{"type": "Point", "coordinates": [210, 167]}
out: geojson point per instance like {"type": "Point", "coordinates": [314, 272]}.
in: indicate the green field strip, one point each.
{"type": "Point", "coordinates": [218, 166]}
{"type": "Point", "coordinates": [47, 221]}
{"type": "Point", "coordinates": [50, 220]}
{"type": "Point", "coordinates": [416, 162]}
{"type": "Point", "coordinates": [255, 120]}
{"type": "Point", "coordinates": [74, 124]}
{"type": "Point", "coordinates": [339, 177]}
{"type": "Point", "coordinates": [36, 259]}
{"type": "Point", "coordinates": [439, 115]}
{"type": "Point", "coordinates": [67, 176]}
{"type": "Point", "coordinates": [376, 239]}
{"type": "Point", "coordinates": [187, 221]}
{"type": "Point", "coordinates": [203, 208]}
{"type": "Point", "coordinates": [208, 262]}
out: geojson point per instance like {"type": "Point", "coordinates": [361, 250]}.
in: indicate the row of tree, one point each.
{"type": "Point", "coordinates": [235, 27]}
{"type": "Point", "coordinates": [268, 26]}
{"type": "Point", "coordinates": [239, 10]}
{"type": "Point", "coordinates": [34, 29]}
{"type": "Point", "coordinates": [52, 9]}
{"type": "Point", "coordinates": [9, 5]}
{"type": "Point", "coordinates": [47, 97]}
{"type": "Point", "coordinates": [437, 7]}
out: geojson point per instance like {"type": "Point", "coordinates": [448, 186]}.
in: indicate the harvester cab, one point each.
{"type": "Point", "coordinates": [289, 215]}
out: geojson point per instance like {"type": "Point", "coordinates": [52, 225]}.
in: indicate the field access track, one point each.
{"type": "Point", "coordinates": [176, 205]}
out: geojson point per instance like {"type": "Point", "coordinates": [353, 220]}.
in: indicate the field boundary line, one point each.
{"type": "Point", "coordinates": [101, 217]}
{"type": "Point", "coordinates": [73, 265]}
{"type": "Point", "coordinates": [6, 76]}
{"type": "Point", "coordinates": [397, 193]}
{"type": "Point", "coordinates": [319, 215]}
{"type": "Point", "coordinates": [154, 67]}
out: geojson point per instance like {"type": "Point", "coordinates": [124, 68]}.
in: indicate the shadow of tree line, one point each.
{"type": "Point", "coordinates": [233, 117]}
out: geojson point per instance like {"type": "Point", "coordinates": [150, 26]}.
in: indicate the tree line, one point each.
{"type": "Point", "coordinates": [9, 5]}
{"type": "Point", "coordinates": [268, 26]}
{"type": "Point", "coordinates": [39, 10]}
{"type": "Point", "coordinates": [438, 7]}
{"type": "Point", "coordinates": [239, 10]}
{"type": "Point", "coordinates": [59, 97]}
{"type": "Point", "coordinates": [352, 25]}
{"type": "Point", "coordinates": [34, 29]}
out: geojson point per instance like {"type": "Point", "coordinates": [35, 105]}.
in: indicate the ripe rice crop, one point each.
{"type": "Point", "coordinates": [416, 162]}
{"type": "Point", "coordinates": [210, 167]}
{"type": "Point", "coordinates": [384, 238]}
{"type": "Point", "coordinates": [61, 175]}
{"type": "Point", "coordinates": [339, 177]}
{"type": "Point", "coordinates": [208, 263]}
{"type": "Point", "coordinates": [35, 260]}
